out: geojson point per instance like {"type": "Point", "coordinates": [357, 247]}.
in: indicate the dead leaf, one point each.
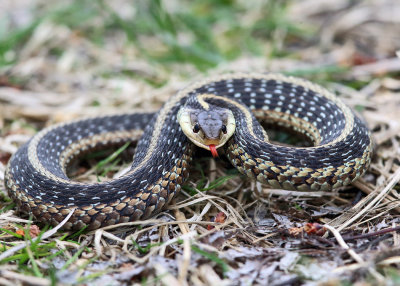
{"type": "Point", "coordinates": [34, 231]}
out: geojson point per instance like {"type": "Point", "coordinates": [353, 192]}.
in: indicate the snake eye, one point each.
{"type": "Point", "coordinates": [196, 128]}
{"type": "Point", "coordinates": [223, 129]}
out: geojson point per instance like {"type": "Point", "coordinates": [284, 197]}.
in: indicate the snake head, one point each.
{"type": "Point", "coordinates": [207, 127]}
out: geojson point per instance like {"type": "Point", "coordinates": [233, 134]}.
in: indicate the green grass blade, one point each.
{"type": "Point", "coordinates": [101, 165]}
{"type": "Point", "coordinates": [213, 257]}
{"type": "Point", "coordinates": [11, 233]}
{"type": "Point", "coordinates": [73, 258]}
{"type": "Point", "coordinates": [218, 182]}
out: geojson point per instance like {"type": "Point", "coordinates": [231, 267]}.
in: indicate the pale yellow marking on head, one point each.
{"type": "Point", "coordinates": [185, 122]}
{"type": "Point", "coordinates": [200, 99]}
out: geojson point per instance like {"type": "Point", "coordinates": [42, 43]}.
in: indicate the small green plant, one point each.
{"type": "Point", "coordinates": [213, 257]}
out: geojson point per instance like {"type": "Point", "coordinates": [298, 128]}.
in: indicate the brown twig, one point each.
{"type": "Point", "coordinates": [371, 234]}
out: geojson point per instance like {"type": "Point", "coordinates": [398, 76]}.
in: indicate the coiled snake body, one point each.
{"type": "Point", "coordinates": [36, 174]}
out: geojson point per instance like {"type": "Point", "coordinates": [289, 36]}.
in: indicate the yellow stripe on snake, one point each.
{"type": "Point", "coordinates": [219, 114]}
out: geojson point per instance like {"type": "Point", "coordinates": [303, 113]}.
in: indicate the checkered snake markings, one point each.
{"type": "Point", "coordinates": [36, 174]}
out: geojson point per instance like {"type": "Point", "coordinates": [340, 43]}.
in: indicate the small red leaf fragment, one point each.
{"type": "Point", "coordinates": [308, 228]}
{"type": "Point", "coordinates": [34, 231]}
{"type": "Point", "coordinates": [314, 228]}
{"type": "Point", "coordinates": [20, 232]}
{"type": "Point", "coordinates": [220, 218]}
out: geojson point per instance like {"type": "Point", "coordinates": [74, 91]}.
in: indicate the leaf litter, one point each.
{"type": "Point", "coordinates": [226, 232]}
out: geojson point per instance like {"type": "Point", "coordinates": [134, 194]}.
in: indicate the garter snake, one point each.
{"type": "Point", "coordinates": [215, 113]}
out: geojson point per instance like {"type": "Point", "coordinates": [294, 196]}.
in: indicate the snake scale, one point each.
{"type": "Point", "coordinates": [36, 174]}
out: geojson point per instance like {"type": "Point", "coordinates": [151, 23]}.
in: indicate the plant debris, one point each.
{"type": "Point", "coordinates": [65, 60]}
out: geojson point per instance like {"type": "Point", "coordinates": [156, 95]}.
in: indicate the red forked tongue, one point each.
{"type": "Point", "coordinates": [213, 150]}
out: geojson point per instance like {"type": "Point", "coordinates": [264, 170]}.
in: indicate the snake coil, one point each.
{"type": "Point", "coordinates": [36, 174]}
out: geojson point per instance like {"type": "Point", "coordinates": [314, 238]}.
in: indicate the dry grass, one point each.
{"type": "Point", "coordinates": [57, 70]}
